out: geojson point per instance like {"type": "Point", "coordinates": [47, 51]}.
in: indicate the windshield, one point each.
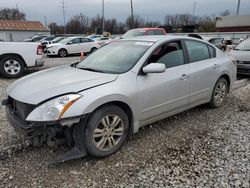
{"type": "Point", "coordinates": [117, 57]}
{"type": "Point", "coordinates": [58, 39]}
{"type": "Point", "coordinates": [244, 45]}
{"type": "Point", "coordinates": [66, 40]}
{"type": "Point", "coordinates": [133, 33]}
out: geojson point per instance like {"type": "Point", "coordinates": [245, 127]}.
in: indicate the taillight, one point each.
{"type": "Point", "coordinates": [39, 50]}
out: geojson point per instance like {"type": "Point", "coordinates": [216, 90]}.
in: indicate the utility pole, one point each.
{"type": "Point", "coordinates": [17, 10]}
{"type": "Point", "coordinates": [194, 11]}
{"type": "Point", "coordinates": [103, 25]}
{"type": "Point", "coordinates": [45, 20]}
{"type": "Point", "coordinates": [238, 8]}
{"type": "Point", "coordinates": [63, 10]}
{"type": "Point", "coordinates": [132, 13]}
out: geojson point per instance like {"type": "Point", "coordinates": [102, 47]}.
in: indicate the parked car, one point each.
{"type": "Point", "coordinates": [55, 40]}
{"type": "Point", "coordinates": [17, 57]}
{"type": "Point", "coordinates": [143, 31]}
{"type": "Point", "coordinates": [35, 38]}
{"type": "Point", "coordinates": [72, 45]}
{"type": "Point", "coordinates": [121, 87]}
{"type": "Point", "coordinates": [103, 40]}
{"type": "Point", "coordinates": [47, 40]}
{"type": "Point", "coordinates": [94, 37]}
{"type": "Point", "coordinates": [241, 53]}
{"type": "Point", "coordinates": [218, 42]}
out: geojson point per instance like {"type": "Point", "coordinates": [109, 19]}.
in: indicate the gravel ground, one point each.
{"type": "Point", "coordinates": [201, 147]}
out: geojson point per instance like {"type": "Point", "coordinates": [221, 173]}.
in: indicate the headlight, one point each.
{"type": "Point", "coordinates": [53, 109]}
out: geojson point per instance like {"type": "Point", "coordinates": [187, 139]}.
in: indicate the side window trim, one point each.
{"type": "Point", "coordinates": [174, 40]}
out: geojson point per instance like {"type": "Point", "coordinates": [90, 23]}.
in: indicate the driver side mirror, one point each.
{"type": "Point", "coordinates": [154, 68]}
{"type": "Point", "coordinates": [69, 43]}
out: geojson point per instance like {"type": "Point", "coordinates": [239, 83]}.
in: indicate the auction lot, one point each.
{"type": "Point", "coordinates": [202, 147]}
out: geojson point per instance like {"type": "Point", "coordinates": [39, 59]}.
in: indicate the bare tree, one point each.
{"type": "Point", "coordinates": [207, 24]}
{"type": "Point", "coordinates": [56, 29]}
{"type": "Point", "coordinates": [95, 23]}
{"type": "Point", "coordinates": [226, 13]}
{"type": "Point", "coordinates": [180, 19]}
{"type": "Point", "coordinates": [152, 24]}
{"type": "Point", "coordinates": [11, 14]}
{"type": "Point", "coordinates": [138, 22]}
{"type": "Point", "coordinates": [78, 24]}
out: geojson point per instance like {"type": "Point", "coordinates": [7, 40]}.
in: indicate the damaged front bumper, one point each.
{"type": "Point", "coordinates": [50, 133]}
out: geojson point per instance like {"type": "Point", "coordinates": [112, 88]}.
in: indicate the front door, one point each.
{"type": "Point", "coordinates": [74, 46]}
{"type": "Point", "coordinates": [164, 93]}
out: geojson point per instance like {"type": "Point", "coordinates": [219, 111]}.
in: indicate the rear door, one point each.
{"type": "Point", "coordinates": [87, 44]}
{"type": "Point", "coordinates": [204, 70]}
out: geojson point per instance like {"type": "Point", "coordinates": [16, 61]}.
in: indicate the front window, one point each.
{"type": "Point", "coordinates": [170, 54]}
{"type": "Point", "coordinates": [243, 46]}
{"type": "Point", "coordinates": [116, 58]}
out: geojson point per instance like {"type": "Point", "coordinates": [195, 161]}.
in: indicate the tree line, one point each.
{"type": "Point", "coordinates": [81, 23]}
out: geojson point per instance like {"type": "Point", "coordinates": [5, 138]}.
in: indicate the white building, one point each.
{"type": "Point", "coordinates": [12, 30]}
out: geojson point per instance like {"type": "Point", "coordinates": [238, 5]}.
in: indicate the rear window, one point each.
{"type": "Point", "coordinates": [159, 32]}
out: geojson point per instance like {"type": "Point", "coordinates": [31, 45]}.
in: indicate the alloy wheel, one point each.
{"type": "Point", "coordinates": [220, 92]}
{"type": "Point", "coordinates": [12, 67]}
{"type": "Point", "coordinates": [108, 132]}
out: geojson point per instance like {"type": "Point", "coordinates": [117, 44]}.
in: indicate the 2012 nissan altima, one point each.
{"type": "Point", "coordinates": [93, 105]}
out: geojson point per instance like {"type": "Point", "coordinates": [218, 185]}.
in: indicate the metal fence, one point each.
{"type": "Point", "coordinates": [235, 36]}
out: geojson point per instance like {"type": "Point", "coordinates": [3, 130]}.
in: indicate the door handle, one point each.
{"type": "Point", "coordinates": [216, 66]}
{"type": "Point", "coordinates": [184, 77]}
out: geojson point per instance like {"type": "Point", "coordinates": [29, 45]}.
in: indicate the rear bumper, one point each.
{"type": "Point", "coordinates": [39, 63]}
{"type": "Point", "coordinates": [243, 69]}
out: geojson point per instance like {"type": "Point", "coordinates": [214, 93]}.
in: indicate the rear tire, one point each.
{"type": "Point", "coordinates": [106, 131]}
{"type": "Point", "coordinates": [93, 49]}
{"type": "Point", "coordinates": [219, 93]}
{"type": "Point", "coordinates": [12, 67]}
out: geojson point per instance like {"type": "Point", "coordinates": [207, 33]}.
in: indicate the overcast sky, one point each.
{"type": "Point", "coordinates": [153, 10]}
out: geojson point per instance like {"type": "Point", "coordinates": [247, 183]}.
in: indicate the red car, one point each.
{"type": "Point", "coordinates": [144, 31]}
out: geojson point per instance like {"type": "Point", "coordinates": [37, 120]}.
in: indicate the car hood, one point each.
{"type": "Point", "coordinates": [240, 55]}
{"type": "Point", "coordinates": [40, 86]}
{"type": "Point", "coordinates": [54, 45]}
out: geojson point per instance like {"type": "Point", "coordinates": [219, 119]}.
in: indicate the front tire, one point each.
{"type": "Point", "coordinates": [62, 53]}
{"type": "Point", "coordinates": [106, 131]}
{"type": "Point", "coordinates": [12, 67]}
{"type": "Point", "coordinates": [219, 93]}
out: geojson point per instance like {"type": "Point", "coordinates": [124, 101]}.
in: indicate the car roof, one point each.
{"type": "Point", "coordinates": [148, 28]}
{"type": "Point", "coordinates": [76, 37]}
{"type": "Point", "coordinates": [159, 38]}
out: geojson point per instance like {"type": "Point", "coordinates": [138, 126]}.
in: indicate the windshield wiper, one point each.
{"type": "Point", "coordinates": [90, 69]}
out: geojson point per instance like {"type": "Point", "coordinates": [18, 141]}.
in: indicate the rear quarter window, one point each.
{"type": "Point", "coordinates": [158, 32]}
{"type": "Point", "coordinates": [212, 51]}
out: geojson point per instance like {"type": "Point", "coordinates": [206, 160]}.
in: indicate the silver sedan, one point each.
{"type": "Point", "coordinates": [121, 87]}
